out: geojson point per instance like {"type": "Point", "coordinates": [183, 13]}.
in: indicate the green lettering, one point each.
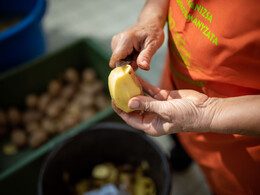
{"type": "Point", "coordinates": [199, 23]}
{"type": "Point", "coordinates": [197, 7]}
{"type": "Point", "coordinates": [208, 35]}
{"type": "Point", "coordinates": [212, 36]}
{"type": "Point", "coordinates": [215, 41]}
{"type": "Point", "coordinates": [195, 21]}
{"type": "Point", "coordinates": [189, 2]}
{"type": "Point", "coordinates": [201, 10]}
{"type": "Point", "coordinates": [205, 10]}
{"type": "Point", "coordinates": [204, 32]}
{"type": "Point", "coordinates": [190, 17]}
{"type": "Point", "coordinates": [202, 27]}
{"type": "Point", "coordinates": [171, 21]}
{"type": "Point", "coordinates": [185, 13]}
{"type": "Point", "coordinates": [198, 83]}
{"type": "Point", "coordinates": [192, 5]}
{"type": "Point", "coordinates": [207, 15]}
{"type": "Point", "coordinates": [210, 18]}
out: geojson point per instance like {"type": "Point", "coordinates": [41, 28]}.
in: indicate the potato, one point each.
{"type": "Point", "coordinates": [74, 109]}
{"type": "Point", "coordinates": [37, 138]}
{"type": "Point", "coordinates": [31, 115]}
{"type": "Point", "coordinates": [32, 100]}
{"type": "Point", "coordinates": [92, 88]}
{"type": "Point", "coordinates": [88, 75]}
{"type": "Point", "coordinates": [84, 101]}
{"type": "Point", "coordinates": [67, 121]}
{"type": "Point", "coordinates": [54, 88]}
{"type": "Point", "coordinates": [88, 113]}
{"type": "Point", "coordinates": [32, 126]}
{"type": "Point", "coordinates": [18, 137]}
{"type": "Point", "coordinates": [44, 100]}
{"type": "Point", "coordinates": [3, 118]}
{"type": "Point", "coordinates": [71, 76]}
{"type": "Point", "coordinates": [14, 116]}
{"type": "Point", "coordinates": [68, 91]}
{"type": "Point", "coordinates": [102, 102]}
{"type": "Point", "coordinates": [49, 125]}
{"type": "Point", "coordinates": [56, 107]}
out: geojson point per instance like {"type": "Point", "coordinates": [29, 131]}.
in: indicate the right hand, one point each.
{"type": "Point", "coordinates": [143, 39]}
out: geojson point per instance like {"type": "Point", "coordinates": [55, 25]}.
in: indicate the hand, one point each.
{"type": "Point", "coordinates": [167, 112]}
{"type": "Point", "coordinates": [142, 39]}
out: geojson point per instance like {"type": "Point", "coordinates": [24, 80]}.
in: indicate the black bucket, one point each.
{"type": "Point", "coordinates": [104, 142]}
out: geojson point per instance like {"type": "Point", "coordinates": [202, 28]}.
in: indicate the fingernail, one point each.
{"type": "Point", "coordinates": [134, 104]}
{"type": "Point", "coordinates": [144, 63]}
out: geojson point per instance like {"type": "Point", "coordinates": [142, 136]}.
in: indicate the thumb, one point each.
{"type": "Point", "coordinates": [147, 104]}
{"type": "Point", "coordinates": [145, 56]}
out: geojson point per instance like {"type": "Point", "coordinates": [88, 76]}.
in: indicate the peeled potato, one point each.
{"type": "Point", "coordinates": [123, 85]}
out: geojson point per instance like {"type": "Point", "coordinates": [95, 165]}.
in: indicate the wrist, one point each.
{"type": "Point", "coordinates": [208, 114]}
{"type": "Point", "coordinates": [158, 21]}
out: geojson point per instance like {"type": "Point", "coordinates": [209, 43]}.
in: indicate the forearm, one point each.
{"type": "Point", "coordinates": [237, 115]}
{"type": "Point", "coordinates": [155, 11]}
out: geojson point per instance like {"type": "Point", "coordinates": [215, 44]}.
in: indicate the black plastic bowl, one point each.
{"type": "Point", "coordinates": [104, 142]}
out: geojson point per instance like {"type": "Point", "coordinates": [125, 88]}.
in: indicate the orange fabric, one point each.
{"type": "Point", "coordinates": [214, 48]}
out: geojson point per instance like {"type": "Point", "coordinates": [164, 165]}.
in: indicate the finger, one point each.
{"type": "Point", "coordinates": [149, 104]}
{"type": "Point", "coordinates": [120, 53]}
{"type": "Point", "coordinates": [122, 45]}
{"type": "Point", "coordinates": [143, 122]}
{"type": "Point", "coordinates": [153, 91]}
{"type": "Point", "coordinates": [133, 62]}
{"type": "Point", "coordinates": [134, 119]}
{"type": "Point", "coordinates": [145, 56]}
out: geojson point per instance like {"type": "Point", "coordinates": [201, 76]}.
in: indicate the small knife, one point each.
{"type": "Point", "coordinates": [125, 61]}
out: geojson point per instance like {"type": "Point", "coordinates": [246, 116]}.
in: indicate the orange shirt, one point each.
{"type": "Point", "coordinates": [214, 48]}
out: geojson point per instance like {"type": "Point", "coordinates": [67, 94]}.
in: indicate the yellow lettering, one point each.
{"type": "Point", "coordinates": [171, 21]}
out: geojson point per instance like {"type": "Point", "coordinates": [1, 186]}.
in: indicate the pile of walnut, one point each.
{"type": "Point", "coordinates": [68, 101]}
{"type": "Point", "coordinates": [128, 178]}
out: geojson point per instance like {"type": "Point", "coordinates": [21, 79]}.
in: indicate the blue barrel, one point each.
{"type": "Point", "coordinates": [24, 40]}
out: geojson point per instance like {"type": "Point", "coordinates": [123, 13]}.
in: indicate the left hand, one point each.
{"type": "Point", "coordinates": [167, 112]}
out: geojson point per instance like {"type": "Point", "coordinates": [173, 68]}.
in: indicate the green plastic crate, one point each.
{"type": "Point", "coordinates": [34, 77]}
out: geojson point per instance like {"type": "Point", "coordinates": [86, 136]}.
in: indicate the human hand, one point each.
{"type": "Point", "coordinates": [167, 112]}
{"type": "Point", "coordinates": [143, 39]}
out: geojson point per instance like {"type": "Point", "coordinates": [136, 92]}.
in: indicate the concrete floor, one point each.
{"type": "Point", "coordinates": [67, 21]}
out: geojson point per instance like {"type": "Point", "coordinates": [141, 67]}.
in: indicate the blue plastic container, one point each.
{"type": "Point", "coordinates": [24, 40]}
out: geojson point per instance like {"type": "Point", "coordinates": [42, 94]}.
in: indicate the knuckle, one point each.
{"type": "Point", "coordinates": [146, 106]}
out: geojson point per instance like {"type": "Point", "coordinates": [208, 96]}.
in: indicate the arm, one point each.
{"type": "Point", "coordinates": [238, 115]}
{"type": "Point", "coordinates": [167, 112]}
{"type": "Point", "coordinates": [145, 37]}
